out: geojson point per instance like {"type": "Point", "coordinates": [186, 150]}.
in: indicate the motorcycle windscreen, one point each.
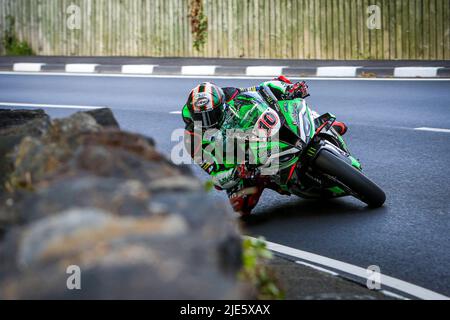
{"type": "Point", "coordinates": [305, 124]}
{"type": "Point", "coordinates": [258, 116]}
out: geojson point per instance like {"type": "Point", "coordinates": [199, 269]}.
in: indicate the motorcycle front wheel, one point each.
{"type": "Point", "coordinates": [365, 189]}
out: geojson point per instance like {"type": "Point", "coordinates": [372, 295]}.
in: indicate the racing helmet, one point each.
{"type": "Point", "coordinates": [206, 104]}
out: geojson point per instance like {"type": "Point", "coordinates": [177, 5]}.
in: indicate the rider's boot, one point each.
{"type": "Point", "coordinates": [243, 201]}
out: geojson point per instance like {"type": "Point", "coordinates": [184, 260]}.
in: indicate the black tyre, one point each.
{"type": "Point", "coordinates": [366, 190]}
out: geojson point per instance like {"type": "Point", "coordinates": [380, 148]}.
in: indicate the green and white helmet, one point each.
{"type": "Point", "coordinates": [206, 103]}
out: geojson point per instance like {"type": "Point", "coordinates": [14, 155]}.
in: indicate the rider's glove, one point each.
{"type": "Point", "coordinates": [242, 172]}
{"type": "Point", "coordinates": [299, 90]}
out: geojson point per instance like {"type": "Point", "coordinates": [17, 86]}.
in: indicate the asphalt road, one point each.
{"type": "Point", "coordinates": [408, 238]}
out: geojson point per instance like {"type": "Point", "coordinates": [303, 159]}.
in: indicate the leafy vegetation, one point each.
{"type": "Point", "coordinates": [199, 24]}
{"type": "Point", "coordinates": [12, 45]}
{"type": "Point", "coordinates": [256, 272]}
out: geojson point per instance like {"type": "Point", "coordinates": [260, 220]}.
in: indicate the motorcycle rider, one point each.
{"type": "Point", "coordinates": [210, 106]}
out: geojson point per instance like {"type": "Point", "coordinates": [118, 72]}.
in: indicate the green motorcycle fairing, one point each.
{"type": "Point", "coordinates": [289, 139]}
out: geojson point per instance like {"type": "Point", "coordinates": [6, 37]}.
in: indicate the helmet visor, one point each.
{"type": "Point", "coordinates": [209, 118]}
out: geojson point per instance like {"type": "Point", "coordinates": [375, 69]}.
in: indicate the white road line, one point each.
{"type": "Point", "coordinates": [432, 129]}
{"type": "Point", "coordinates": [198, 70]}
{"type": "Point", "coordinates": [348, 268]}
{"type": "Point", "coordinates": [81, 67]}
{"type": "Point", "coordinates": [393, 295]}
{"type": "Point", "coordinates": [385, 292]}
{"type": "Point", "coordinates": [138, 68]}
{"type": "Point", "coordinates": [411, 72]}
{"type": "Point", "coordinates": [337, 71]}
{"type": "Point", "coordinates": [28, 67]}
{"type": "Point", "coordinates": [43, 105]}
{"type": "Point", "coordinates": [317, 268]}
{"type": "Point", "coordinates": [175, 112]}
{"type": "Point", "coordinates": [264, 70]}
{"type": "Point", "coordinates": [120, 75]}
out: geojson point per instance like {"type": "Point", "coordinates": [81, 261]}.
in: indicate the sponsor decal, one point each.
{"type": "Point", "coordinates": [267, 124]}
{"type": "Point", "coordinates": [201, 102]}
{"type": "Point", "coordinates": [208, 167]}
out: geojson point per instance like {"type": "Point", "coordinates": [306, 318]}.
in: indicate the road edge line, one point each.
{"type": "Point", "coordinates": [206, 70]}
{"type": "Point", "coordinates": [137, 68]}
{"type": "Point", "coordinates": [264, 70]}
{"type": "Point", "coordinates": [27, 67]}
{"type": "Point", "coordinates": [352, 71]}
{"type": "Point", "coordinates": [343, 71]}
{"type": "Point", "coordinates": [411, 72]}
{"type": "Point", "coordinates": [179, 76]}
{"type": "Point", "coordinates": [49, 106]}
{"type": "Point", "coordinates": [388, 281]}
{"type": "Point", "coordinates": [80, 67]}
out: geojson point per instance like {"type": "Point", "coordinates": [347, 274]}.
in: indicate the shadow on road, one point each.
{"type": "Point", "coordinates": [303, 208]}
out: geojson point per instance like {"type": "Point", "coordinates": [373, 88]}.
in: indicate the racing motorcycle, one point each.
{"type": "Point", "coordinates": [311, 159]}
